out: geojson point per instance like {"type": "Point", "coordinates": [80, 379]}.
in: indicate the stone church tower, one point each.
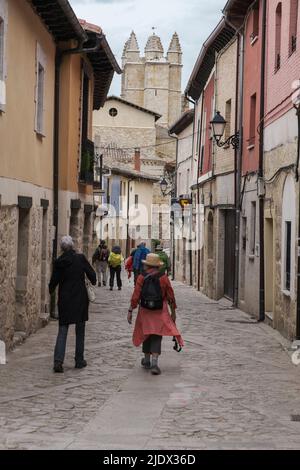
{"type": "Point", "coordinates": [153, 81]}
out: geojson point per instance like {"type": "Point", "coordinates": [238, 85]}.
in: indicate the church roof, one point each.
{"type": "Point", "coordinates": [123, 170]}
{"type": "Point", "coordinates": [125, 47]}
{"type": "Point", "coordinates": [133, 105]}
{"type": "Point", "coordinates": [154, 44]}
{"type": "Point", "coordinates": [236, 10]}
{"type": "Point", "coordinates": [175, 44]}
{"type": "Point", "coordinates": [183, 122]}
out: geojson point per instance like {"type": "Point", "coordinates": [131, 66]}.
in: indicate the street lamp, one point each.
{"type": "Point", "coordinates": [164, 186]}
{"type": "Point", "coordinates": [168, 182]}
{"type": "Point", "coordinates": [218, 126]}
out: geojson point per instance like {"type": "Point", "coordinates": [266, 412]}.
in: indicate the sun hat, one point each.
{"type": "Point", "coordinates": [152, 260]}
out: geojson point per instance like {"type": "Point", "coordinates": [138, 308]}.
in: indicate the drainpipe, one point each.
{"type": "Point", "coordinates": [191, 197]}
{"type": "Point", "coordinates": [261, 169]}
{"type": "Point", "coordinates": [127, 227]}
{"type": "Point", "coordinates": [238, 155]}
{"type": "Point", "coordinates": [55, 168]}
{"type": "Point", "coordinates": [173, 229]}
{"type": "Point", "coordinates": [198, 188]}
{"type": "Point", "coordinates": [298, 246]}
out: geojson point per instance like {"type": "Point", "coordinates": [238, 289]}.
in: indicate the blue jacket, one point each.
{"type": "Point", "coordinates": [140, 255]}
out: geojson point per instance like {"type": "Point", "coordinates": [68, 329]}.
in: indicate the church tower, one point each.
{"type": "Point", "coordinates": [156, 87]}
{"type": "Point", "coordinates": [174, 58]}
{"type": "Point", "coordinates": [153, 81]}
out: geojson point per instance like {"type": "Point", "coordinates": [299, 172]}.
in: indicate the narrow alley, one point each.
{"type": "Point", "coordinates": [232, 387]}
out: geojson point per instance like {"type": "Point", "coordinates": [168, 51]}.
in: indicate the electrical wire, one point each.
{"type": "Point", "coordinates": [146, 146]}
{"type": "Point", "coordinates": [292, 166]}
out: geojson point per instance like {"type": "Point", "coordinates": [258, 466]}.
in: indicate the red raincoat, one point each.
{"type": "Point", "coordinates": [129, 266]}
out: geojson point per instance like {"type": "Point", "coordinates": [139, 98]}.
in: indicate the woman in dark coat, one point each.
{"type": "Point", "coordinates": [73, 303]}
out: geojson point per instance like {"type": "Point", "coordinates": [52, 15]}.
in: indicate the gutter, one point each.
{"type": "Point", "coordinates": [69, 12]}
{"type": "Point", "coordinates": [127, 227]}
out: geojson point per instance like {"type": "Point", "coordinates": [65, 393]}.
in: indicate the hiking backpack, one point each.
{"type": "Point", "coordinates": [151, 295]}
{"type": "Point", "coordinates": [104, 254]}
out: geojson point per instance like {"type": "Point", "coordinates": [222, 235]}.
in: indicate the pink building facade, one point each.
{"type": "Point", "coordinates": [280, 159]}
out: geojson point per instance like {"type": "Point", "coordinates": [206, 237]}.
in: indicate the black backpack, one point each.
{"type": "Point", "coordinates": [151, 295]}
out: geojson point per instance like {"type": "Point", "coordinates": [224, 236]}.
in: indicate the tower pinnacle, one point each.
{"type": "Point", "coordinates": [174, 52]}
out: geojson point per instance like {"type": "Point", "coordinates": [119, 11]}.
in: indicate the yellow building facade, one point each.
{"type": "Point", "coordinates": [49, 85]}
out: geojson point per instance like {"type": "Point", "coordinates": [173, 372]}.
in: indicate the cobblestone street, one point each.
{"type": "Point", "coordinates": [233, 386]}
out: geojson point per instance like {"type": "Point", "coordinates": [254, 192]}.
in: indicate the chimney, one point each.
{"type": "Point", "coordinates": [137, 159]}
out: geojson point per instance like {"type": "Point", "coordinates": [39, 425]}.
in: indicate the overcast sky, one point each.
{"type": "Point", "coordinates": [192, 19]}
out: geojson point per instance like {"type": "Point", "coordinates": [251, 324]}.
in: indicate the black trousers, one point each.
{"type": "Point", "coordinates": [115, 271]}
{"type": "Point", "coordinates": [60, 346]}
{"type": "Point", "coordinates": [152, 344]}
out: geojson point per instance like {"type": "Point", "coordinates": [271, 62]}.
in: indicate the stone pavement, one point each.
{"type": "Point", "coordinates": [232, 387]}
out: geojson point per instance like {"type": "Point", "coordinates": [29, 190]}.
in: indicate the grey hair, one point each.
{"type": "Point", "coordinates": [66, 243]}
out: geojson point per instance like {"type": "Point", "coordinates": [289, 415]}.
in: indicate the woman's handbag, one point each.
{"type": "Point", "coordinates": [90, 291]}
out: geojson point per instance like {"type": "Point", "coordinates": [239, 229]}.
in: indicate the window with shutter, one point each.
{"type": "Point", "coordinates": [40, 91]}
{"type": "Point", "coordinates": [293, 26]}
{"type": "Point", "coordinates": [278, 36]}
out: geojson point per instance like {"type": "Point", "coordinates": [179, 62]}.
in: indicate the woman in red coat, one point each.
{"type": "Point", "coordinates": [152, 325]}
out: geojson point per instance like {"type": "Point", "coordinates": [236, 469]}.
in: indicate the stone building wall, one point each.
{"type": "Point", "coordinates": [127, 137]}
{"type": "Point", "coordinates": [8, 268]}
{"type": "Point", "coordinates": [28, 304]}
{"type": "Point", "coordinates": [23, 307]}
{"type": "Point", "coordinates": [225, 99]}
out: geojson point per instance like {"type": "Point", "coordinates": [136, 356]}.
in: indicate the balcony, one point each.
{"type": "Point", "coordinates": [86, 175]}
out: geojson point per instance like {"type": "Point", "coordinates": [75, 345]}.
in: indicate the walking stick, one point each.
{"type": "Point", "coordinates": [176, 346]}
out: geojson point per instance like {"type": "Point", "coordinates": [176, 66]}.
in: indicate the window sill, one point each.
{"type": "Point", "coordinates": [254, 40]}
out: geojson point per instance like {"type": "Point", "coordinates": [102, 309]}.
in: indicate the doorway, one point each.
{"type": "Point", "coordinates": [269, 267]}
{"type": "Point", "coordinates": [22, 268]}
{"type": "Point", "coordinates": [229, 255]}
{"type": "Point", "coordinates": [86, 234]}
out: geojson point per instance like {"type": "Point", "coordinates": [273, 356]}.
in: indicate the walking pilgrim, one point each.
{"type": "Point", "coordinates": [152, 295]}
